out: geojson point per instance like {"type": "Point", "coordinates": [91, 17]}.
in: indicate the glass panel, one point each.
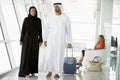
{"type": "Point", "coordinates": [16, 49]}
{"type": "Point", "coordinates": [80, 31]}
{"type": "Point", "coordinates": [4, 60]}
{"type": "Point", "coordinates": [79, 11]}
{"type": "Point", "coordinates": [84, 33]}
{"type": "Point", "coordinates": [116, 31]}
{"type": "Point", "coordinates": [10, 19]}
{"type": "Point", "coordinates": [83, 20]}
{"type": "Point", "coordinates": [116, 9]}
{"type": "Point", "coordinates": [1, 36]}
{"type": "Point", "coordinates": [116, 19]}
{"type": "Point", "coordinates": [22, 11]}
{"type": "Point", "coordinates": [114, 57]}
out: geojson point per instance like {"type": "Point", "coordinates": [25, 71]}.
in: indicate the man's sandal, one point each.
{"type": "Point", "coordinates": [56, 76]}
{"type": "Point", "coordinates": [49, 75]}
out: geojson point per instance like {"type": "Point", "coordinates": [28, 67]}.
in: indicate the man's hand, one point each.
{"type": "Point", "coordinates": [21, 43]}
{"type": "Point", "coordinates": [45, 43]}
{"type": "Point", "coordinates": [69, 45]}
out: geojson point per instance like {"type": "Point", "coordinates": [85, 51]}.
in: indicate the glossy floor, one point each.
{"type": "Point", "coordinates": [108, 73]}
{"type": "Point", "coordinates": [81, 75]}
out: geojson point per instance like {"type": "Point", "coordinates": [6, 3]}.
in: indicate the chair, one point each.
{"type": "Point", "coordinates": [90, 54]}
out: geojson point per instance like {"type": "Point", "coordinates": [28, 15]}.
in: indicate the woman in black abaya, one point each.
{"type": "Point", "coordinates": [31, 39]}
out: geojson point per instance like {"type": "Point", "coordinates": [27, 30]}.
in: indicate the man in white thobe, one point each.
{"type": "Point", "coordinates": [57, 33]}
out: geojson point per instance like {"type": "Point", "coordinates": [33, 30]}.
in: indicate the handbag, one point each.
{"type": "Point", "coordinates": [95, 65]}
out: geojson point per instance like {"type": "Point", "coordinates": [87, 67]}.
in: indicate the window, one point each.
{"type": "Point", "coordinates": [12, 30]}
{"type": "Point", "coordinates": [116, 31]}
{"type": "Point", "coordinates": [22, 12]}
{"type": "Point", "coordinates": [16, 49]}
{"type": "Point", "coordinates": [83, 20]}
{"type": "Point", "coordinates": [1, 36]}
{"type": "Point", "coordinates": [116, 19]}
{"type": "Point", "coordinates": [10, 19]}
{"type": "Point", "coordinates": [4, 60]}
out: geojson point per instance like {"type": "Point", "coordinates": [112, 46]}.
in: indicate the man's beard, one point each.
{"type": "Point", "coordinates": [57, 11]}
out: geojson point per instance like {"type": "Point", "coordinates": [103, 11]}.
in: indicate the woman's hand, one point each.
{"type": "Point", "coordinates": [45, 43]}
{"type": "Point", "coordinates": [69, 45]}
{"type": "Point", "coordinates": [21, 43]}
{"type": "Point", "coordinates": [40, 43]}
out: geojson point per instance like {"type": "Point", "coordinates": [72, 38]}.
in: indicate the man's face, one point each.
{"type": "Point", "coordinates": [57, 9]}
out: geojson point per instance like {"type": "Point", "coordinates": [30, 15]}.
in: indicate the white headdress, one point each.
{"type": "Point", "coordinates": [59, 5]}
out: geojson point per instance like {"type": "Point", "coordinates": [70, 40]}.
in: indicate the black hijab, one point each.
{"type": "Point", "coordinates": [29, 15]}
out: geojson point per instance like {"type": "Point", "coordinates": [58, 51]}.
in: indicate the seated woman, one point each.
{"type": "Point", "coordinates": [99, 45]}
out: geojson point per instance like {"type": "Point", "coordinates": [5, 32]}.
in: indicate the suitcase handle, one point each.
{"type": "Point", "coordinates": [67, 52]}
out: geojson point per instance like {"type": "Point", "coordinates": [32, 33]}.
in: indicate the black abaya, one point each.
{"type": "Point", "coordinates": [31, 36]}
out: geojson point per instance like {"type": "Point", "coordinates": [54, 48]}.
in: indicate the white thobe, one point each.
{"type": "Point", "coordinates": [57, 34]}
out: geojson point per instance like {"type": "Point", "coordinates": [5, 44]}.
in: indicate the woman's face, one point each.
{"type": "Point", "coordinates": [100, 39]}
{"type": "Point", "coordinates": [33, 12]}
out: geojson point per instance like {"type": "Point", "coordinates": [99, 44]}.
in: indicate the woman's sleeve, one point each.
{"type": "Point", "coordinates": [40, 31]}
{"type": "Point", "coordinates": [23, 31]}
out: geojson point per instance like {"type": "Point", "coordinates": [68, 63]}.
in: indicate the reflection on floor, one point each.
{"type": "Point", "coordinates": [113, 65]}
{"type": "Point", "coordinates": [113, 62]}
{"type": "Point", "coordinates": [81, 75]}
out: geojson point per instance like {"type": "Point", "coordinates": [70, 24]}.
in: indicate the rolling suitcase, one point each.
{"type": "Point", "coordinates": [69, 66]}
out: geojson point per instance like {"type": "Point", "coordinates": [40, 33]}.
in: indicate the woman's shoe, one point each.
{"type": "Point", "coordinates": [79, 65]}
{"type": "Point", "coordinates": [27, 76]}
{"type": "Point", "coordinates": [23, 75]}
{"type": "Point", "coordinates": [33, 75]}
